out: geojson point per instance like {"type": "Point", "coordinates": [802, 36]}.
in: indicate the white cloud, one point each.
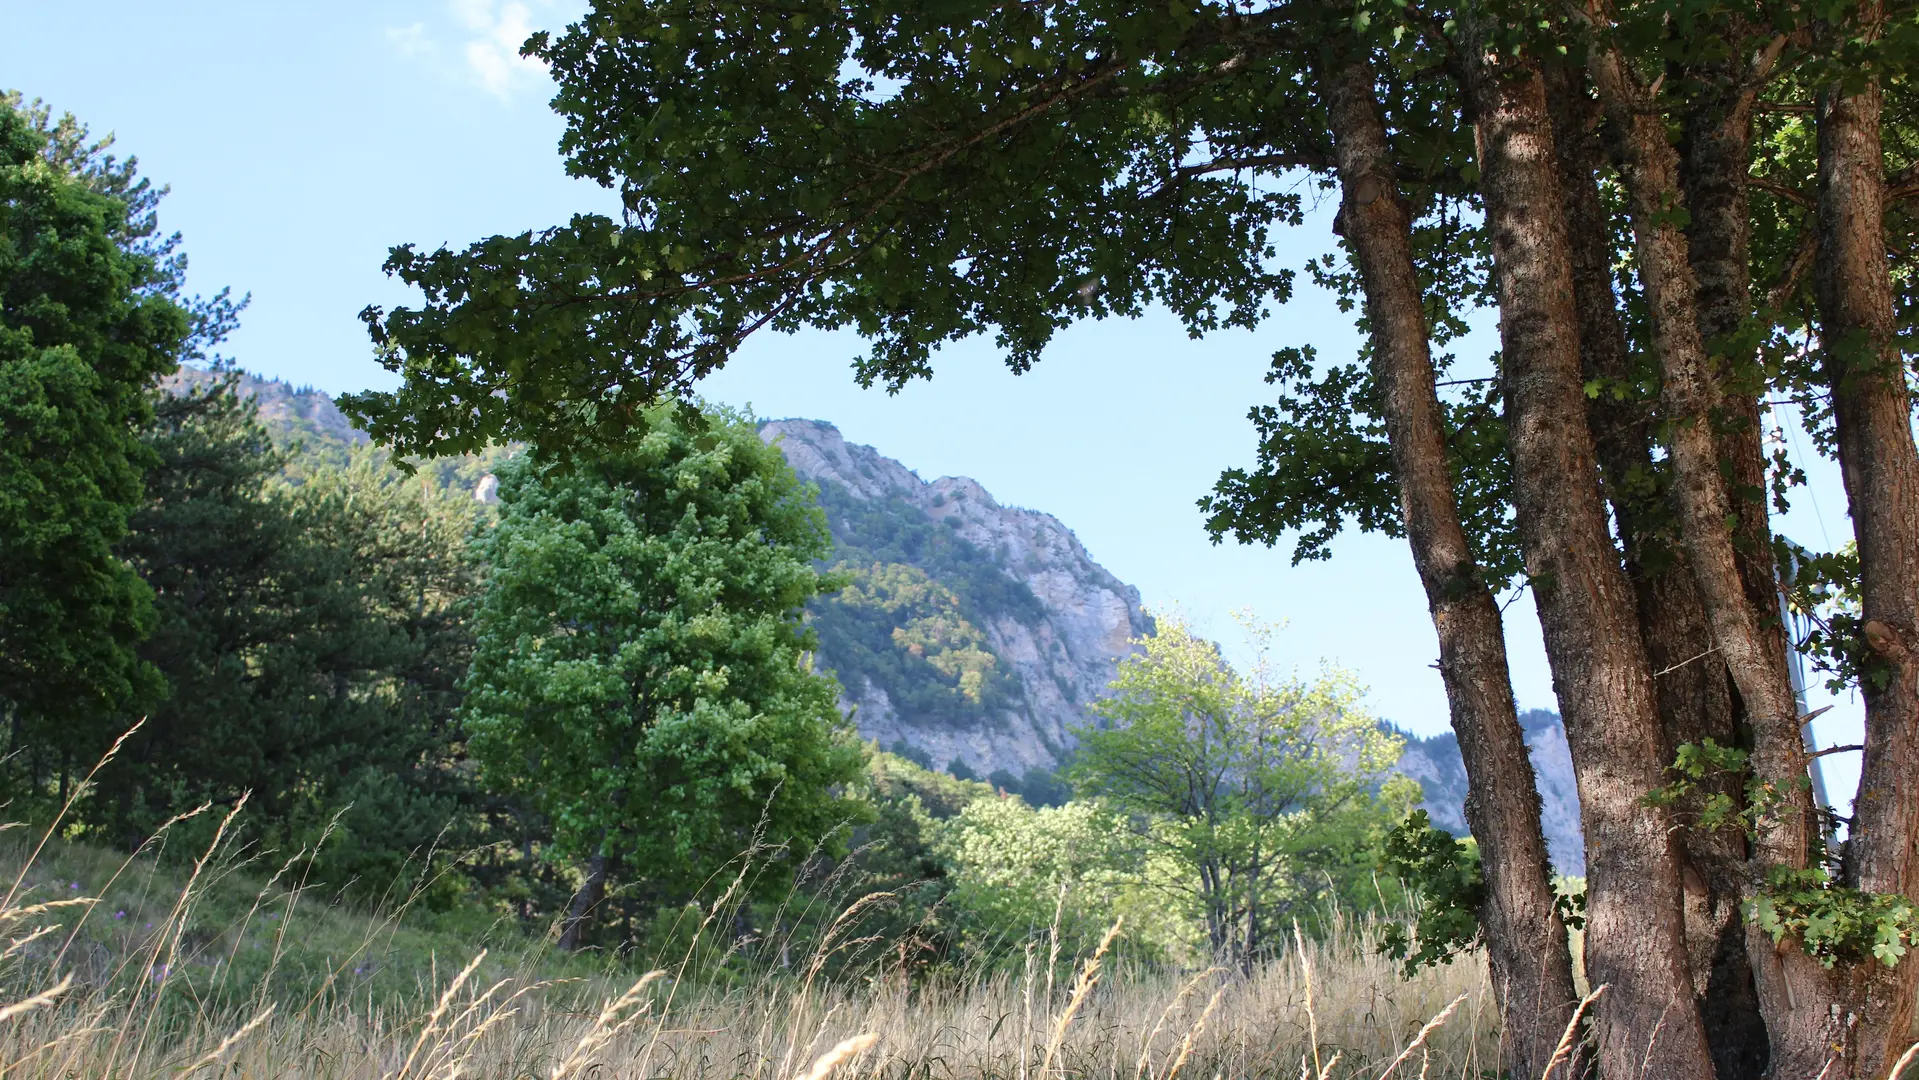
{"type": "Point", "coordinates": [488, 37]}
{"type": "Point", "coordinates": [494, 55]}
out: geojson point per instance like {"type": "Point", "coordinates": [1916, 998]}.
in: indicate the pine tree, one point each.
{"type": "Point", "coordinates": [90, 318]}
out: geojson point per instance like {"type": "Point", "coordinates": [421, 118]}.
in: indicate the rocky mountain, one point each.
{"type": "Point", "coordinates": [1435, 762]}
{"type": "Point", "coordinates": [294, 413]}
{"type": "Point", "coordinates": [968, 632]}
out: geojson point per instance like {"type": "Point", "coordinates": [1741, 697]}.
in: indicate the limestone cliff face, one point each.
{"type": "Point", "coordinates": [1052, 619]}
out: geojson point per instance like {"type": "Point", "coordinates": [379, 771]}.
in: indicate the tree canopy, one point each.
{"type": "Point", "coordinates": [918, 176]}
{"type": "Point", "coordinates": [90, 316]}
{"type": "Point", "coordinates": [642, 674]}
{"type": "Point", "coordinates": [1262, 789]}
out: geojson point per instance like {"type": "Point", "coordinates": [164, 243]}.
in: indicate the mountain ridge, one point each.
{"type": "Point", "coordinates": [1435, 761]}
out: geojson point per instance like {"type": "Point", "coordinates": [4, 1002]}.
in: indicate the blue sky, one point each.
{"type": "Point", "coordinates": [301, 141]}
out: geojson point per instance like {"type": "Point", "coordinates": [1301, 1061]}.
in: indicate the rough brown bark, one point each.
{"type": "Point", "coordinates": [1694, 696]}
{"type": "Point", "coordinates": [1715, 156]}
{"type": "Point", "coordinates": [1872, 415]}
{"type": "Point", "coordinates": [1795, 992]}
{"type": "Point", "coordinates": [579, 914]}
{"type": "Point", "coordinates": [1525, 941]}
{"type": "Point", "coordinates": [1648, 1023]}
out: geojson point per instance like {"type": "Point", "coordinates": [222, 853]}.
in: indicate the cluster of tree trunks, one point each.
{"type": "Point", "coordinates": [1531, 964]}
{"type": "Point", "coordinates": [1659, 610]}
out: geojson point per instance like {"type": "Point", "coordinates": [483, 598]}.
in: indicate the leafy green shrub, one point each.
{"type": "Point", "coordinates": [1830, 921]}
{"type": "Point", "coordinates": [1443, 872]}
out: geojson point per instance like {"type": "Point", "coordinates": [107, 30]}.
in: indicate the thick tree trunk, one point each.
{"type": "Point", "coordinates": [1794, 991]}
{"type": "Point", "coordinates": [579, 914]}
{"type": "Point", "coordinates": [1872, 414]}
{"type": "Point", "coordinates": [1694, 696]}
{"type": "Point", "coordinates": [1525, 941]}
{"type": "Point", "coordinates": [1635, 927]}
{"type": "Point", "coordinates": [1715, 157]}
{"type": "Point", "coordinates": [1648, 1024]}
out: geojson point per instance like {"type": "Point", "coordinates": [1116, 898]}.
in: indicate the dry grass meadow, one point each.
{"type": "Point", "coordinates": [117, 967]}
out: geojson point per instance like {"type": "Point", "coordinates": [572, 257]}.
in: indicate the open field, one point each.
{"type": "Point", "coordinates": [137, 969]}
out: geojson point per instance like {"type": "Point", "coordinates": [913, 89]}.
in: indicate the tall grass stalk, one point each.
{"type": "Point", "coordinates": [150, 974]}
{"type": "Point", "coordinates": [1328, 1008]}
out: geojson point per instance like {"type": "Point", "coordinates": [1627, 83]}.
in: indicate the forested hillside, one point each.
{"type": "Point", "coordinates": [969, 636]}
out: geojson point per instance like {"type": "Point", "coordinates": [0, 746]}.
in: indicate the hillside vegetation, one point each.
{"type": "Point", "coordinates": [564, 648]}
{"type": "Point", "coordinates": [925, 633]}
{"type": "Point", "coordinates": [571, 717]}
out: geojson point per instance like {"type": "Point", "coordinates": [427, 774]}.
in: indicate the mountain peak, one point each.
{"type": "Point", "coordinates": [957, 591]}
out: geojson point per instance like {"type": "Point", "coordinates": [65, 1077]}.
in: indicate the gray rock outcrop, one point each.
{"type": "Point", "coordinates": [1062, 660]}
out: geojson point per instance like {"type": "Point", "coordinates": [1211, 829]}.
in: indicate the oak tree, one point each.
{"type": "Point", "coordinates": [923, 175]}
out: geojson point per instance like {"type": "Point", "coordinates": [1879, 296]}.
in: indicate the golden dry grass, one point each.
{"type": "Point", "coordinates": [121, 979]}
{"type": "Point", "coordinates": [1330, 1008]}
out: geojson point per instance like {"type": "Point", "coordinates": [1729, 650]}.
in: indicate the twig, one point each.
{"type": "Point", "coordinates": [1683, 663]}
{"type": "Point", "coordinates": [1312, 1017]}
{"type": "Point", "coordinates": [1803, 253]}
{"type": "Point", "coordinates": [1420, 1039]}
{"type": "Point", "coordinates": [439, 1009]}
{"type": "Point", "coordinates": [608, 1024]}
{"type": "Point", "coordinates": [230, 1041]}
{"type": "Point", "coordinates": [1193, 1033]}
{"type": "Point", "coordinates": [1781, 191]}
{"type": "Point", "coordinates": [1146, 1048]}
{"type": "Point", "coordinates": [79, 789]}
{"type": "Point", "coordinates": [1082, 986]}
{"type": "Point", "coordinates": [37, 1001]}
{"type": "Point", "coordinates": [834, 1058]}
